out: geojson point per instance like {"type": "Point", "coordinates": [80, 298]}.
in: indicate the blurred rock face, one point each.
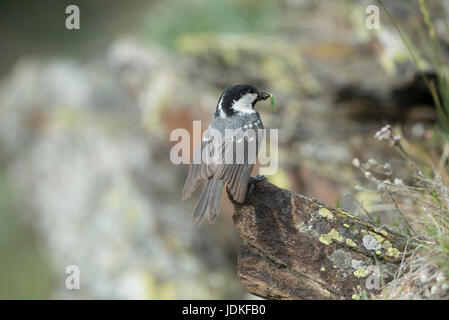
{"type": "Point", "coordinates": [87, 151]}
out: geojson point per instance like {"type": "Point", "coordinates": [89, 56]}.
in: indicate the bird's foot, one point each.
{"type": "Point", "coordinates": [252, 183]}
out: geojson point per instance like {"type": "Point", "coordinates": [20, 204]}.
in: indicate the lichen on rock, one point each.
{"type": "Point", "coordinates": [371, 243]}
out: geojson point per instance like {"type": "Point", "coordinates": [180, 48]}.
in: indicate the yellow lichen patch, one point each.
{"type": "Point", "coordinates": [335, 235]}
{"type": "Point", "coordinates": [351, 243]}
{"type": "Point", "coordinates": [386, 245]}
{"type": "Point", "coordinates": [361, 273]}
{"type": "Point", "coordinates": [378, 252]}
{"type": "Point", "coordinates": [327, 238]}
{"type": "Point", "coordinates": [347, 214]}
{"type": "Point", "coordinates": [393, 252]}
{"type": "Point", "coordinates": [323, 269]}
{"type": "Point", "coordinates": [382, 232]}
{"type": "Point", "coordinates": [355, 297]}
{"type": "Point", "coordinates": [325, 213]}
{"type": "Point", "coordinates": [363, 231]}
{"type": "Point", "coordinates": [378, 237]}
{"type": "Point", "coordinates": [346, 225]}
{"type": "Point", "coordinates": [358, 287]}
{"type": "Point", "coordinates": [334, 266]}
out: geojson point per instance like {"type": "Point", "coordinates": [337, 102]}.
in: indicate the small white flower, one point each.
{"type": "Point", "coordinates": [367, 174]}
{"type": "Point", "coordinates": [386, 133]}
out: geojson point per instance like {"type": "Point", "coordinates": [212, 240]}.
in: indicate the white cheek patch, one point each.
{"type": "Point", "coordinates": [220, 110]}
{"type": "Point", "coordinates": [245, 103]}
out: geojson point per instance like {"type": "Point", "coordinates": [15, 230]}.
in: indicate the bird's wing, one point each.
{"type": "Point", "coordinates": [243, 151]}
{"type": "Point", "coordinates": [234, 158]}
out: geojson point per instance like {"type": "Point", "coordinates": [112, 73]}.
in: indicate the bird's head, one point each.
{"type": "Point", "coordinates": [239, 99]}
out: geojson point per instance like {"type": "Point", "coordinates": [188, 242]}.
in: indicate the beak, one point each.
{"type": "Point", "coordinates": [263, 95]}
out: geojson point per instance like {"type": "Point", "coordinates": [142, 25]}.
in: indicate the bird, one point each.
{"type": "Point", "coordinates": [227, 151]}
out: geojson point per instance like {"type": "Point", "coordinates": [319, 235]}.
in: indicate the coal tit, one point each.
{"type": "Point", "coordinates": [228, 150]}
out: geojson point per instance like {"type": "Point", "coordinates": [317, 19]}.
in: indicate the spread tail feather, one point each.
{"type": "Point", "coordinates": [209, 202]}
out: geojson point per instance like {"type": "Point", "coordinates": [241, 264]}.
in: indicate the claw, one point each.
{"type": "Point", "coordinates": [258, 178]}
{"type": "Point", "coordinates": [252, 183]}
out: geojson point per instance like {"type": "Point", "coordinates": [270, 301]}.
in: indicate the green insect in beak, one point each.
{"type": "Point", "coordinates": [272, 100]}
